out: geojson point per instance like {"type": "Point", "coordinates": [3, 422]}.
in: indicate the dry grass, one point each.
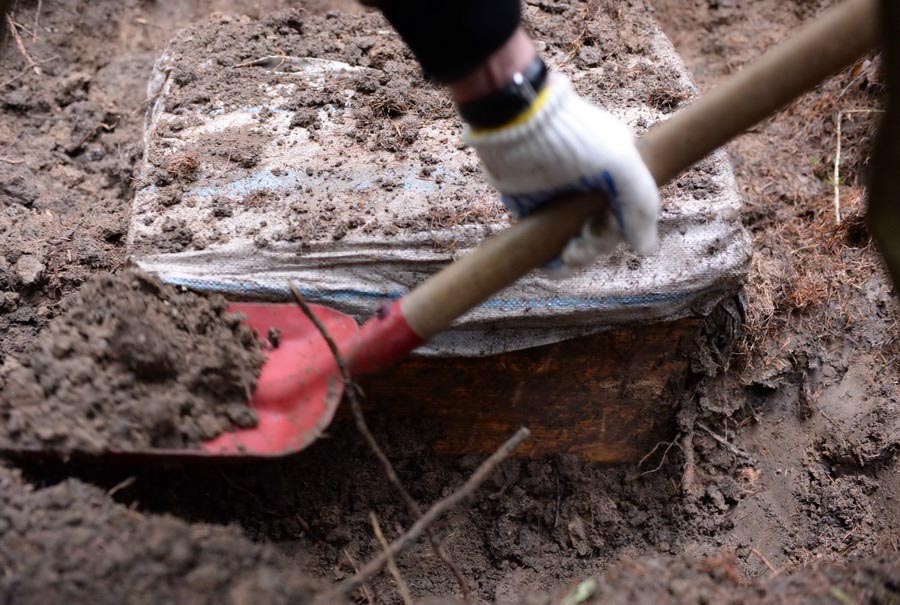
{"type": "Point", "coordinates": [183, 166]}
{"type": "Point", "coordinates": [479, 212]}
{"type": "Point", "coordinates": [388, 106]}
{"type": "Point", "coordinates": [810, 277]}
{"type": "Point", "coordinates": [257, 198]}
{"type": "Point", "coordinates": [442, 220]}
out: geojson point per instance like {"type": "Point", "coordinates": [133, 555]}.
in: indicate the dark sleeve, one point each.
{"type": "Point", "coordinates": [450, 38]}
{"type": "Point", "coordinates": [884, 190]}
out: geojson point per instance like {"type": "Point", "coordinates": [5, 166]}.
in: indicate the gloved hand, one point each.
{"type": "Point", "coordinates": [564, 144]}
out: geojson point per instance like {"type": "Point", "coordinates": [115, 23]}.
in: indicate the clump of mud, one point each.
{"type": "Point", "coordinates": [70, 543]}
{"type": "Point", "coordinates": [132, 363]}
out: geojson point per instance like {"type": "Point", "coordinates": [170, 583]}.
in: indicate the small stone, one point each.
{"type": "Point", "coordinates": [716, 497]}
{"type": "Point", "coordinates": [16, 423]}
{"type": "Point", "coordinates": [590, 56]}
{"type": "Point", "coordinates": [205, 577]}
{"type": "Point", "coordinates": [46, 433]}
{"type": "Point", "coordinates": [30, 269]}
{"type": "Point", "coordinates": [9, 301]}
{"type": "Point", "coordinates": [242, 416]}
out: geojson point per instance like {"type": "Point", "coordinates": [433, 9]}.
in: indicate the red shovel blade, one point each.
{"type": "Point", "coordinates": [300, 385]}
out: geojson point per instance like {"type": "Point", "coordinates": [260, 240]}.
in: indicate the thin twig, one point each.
{"type": "Point", "coordinates": [252, 495]}
{"type": "Point", "coordinates": [363, 427]}
{"type": "Point", "coordinates": [120, 486]}
{"type": "Point", "coordinates": [844, 90]}
{"type": "Point", "coordinates": [836, 176]}
{"type": "Point", "coordinates": [11, 161]}
{"type": "Point", "coordinates": [861, 110]}
{"type": "Point", "coordinates": [725, 443]}
{"type": "Point", "coordinates": [263, 62]}
{"type": "Point", "coordinates": [687, 476]}
{"type": "Point", "coordinates": [15, 77]}
{"type": "Point", "coordinates": [365, 589]}
{"type": "Point", "coordinates": [558, 497]}
{"type": "Point", "coordinates": [662, 461]}
{"type": "Point", "coordinates": [391, 564]}
{"type": "Point", "coordinates": [23, 27]}
{"type": "Point", "coordinates": [15, 33]}
{"type": "Point", "coordinates": [651, 452]}
{"type": "Point", "coordinates": [432, 514]}
{"type": "Point", "coordinates": [37, 18]}
{"type": "Point", "coordinates": [767, 563]}
{"type": "Point", "coordinates": [26, 70]}
{"type": "Point", "coordinates": [338, 356]}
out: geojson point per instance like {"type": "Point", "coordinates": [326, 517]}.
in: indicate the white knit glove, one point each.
{"type": "Point", "coordinates": [562, 145]}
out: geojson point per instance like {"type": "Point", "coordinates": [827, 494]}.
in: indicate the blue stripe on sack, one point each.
{"type": "Point", "coordinates": [496, 303]}
{"type": "Point", "coordinates": [246, 289]}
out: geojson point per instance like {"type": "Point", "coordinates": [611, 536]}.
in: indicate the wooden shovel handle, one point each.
{"type": "Point", "coordinates": [823, 47]}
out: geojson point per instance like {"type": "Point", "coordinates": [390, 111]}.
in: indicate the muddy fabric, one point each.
{"type": "Point", "coordinates": [345, 172]}
{"type": "Point", "coordinates": [132, 364]}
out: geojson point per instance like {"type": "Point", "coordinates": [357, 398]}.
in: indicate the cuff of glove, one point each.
{"type": "Point", "coordinates": [555, 144]}
{"type": "Point", "coordinates": [505, 105]}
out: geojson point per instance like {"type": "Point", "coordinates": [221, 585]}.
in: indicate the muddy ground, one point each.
{"type": "Point", "coordinates": [791, 448]}
{"type": "Point", "coordinates": [52, 538]}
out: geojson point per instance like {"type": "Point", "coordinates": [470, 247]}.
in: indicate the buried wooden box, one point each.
{"type": "Point", "coordinates": [609, 397]}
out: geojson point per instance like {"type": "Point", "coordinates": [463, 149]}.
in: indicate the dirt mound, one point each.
{"type": "Point", "coordinates": [50, 540]}
{"type": "Point", "coordinates": [685, 581]}
{"type": "Point", "coordinates": [131, 364]}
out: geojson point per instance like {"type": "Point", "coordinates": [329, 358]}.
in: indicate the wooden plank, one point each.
{"type": "Point", "coordinates": [609, 397]}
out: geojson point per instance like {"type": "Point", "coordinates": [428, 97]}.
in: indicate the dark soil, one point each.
{"type": "Point", "coordinates": [131, 364]}
{"type": "Point", "coordinates": [790, 447]}
{"type": "Point", "coordinates": [718, 580]}
{"type": "Point", "coordinates": [534, 525]}
{"type": "Point", "coordinates": [71, 543]}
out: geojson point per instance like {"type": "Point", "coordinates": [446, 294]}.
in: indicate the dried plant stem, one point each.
{"type": "Point", "coordinates": [352, 392]}
{"type": "Point", "coordinates": [391, 564]}
{"type": "Point", "coordinates": [439, 508]}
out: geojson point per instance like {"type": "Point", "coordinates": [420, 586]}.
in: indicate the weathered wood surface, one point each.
{"type": "Point", "coordinates": [609, 397]}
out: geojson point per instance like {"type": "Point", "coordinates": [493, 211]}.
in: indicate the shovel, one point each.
{"type": "Point", "coordinates": [301, 385]}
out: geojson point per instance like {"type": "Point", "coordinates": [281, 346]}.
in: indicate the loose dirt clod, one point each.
{"type": "Point", "coordinates": [132, 364]}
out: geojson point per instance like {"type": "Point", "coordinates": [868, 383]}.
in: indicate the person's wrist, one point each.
{"type": "Point", "coordinates": [502, 107]}
{"type": "Point", "coordinates": [497, 71]}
